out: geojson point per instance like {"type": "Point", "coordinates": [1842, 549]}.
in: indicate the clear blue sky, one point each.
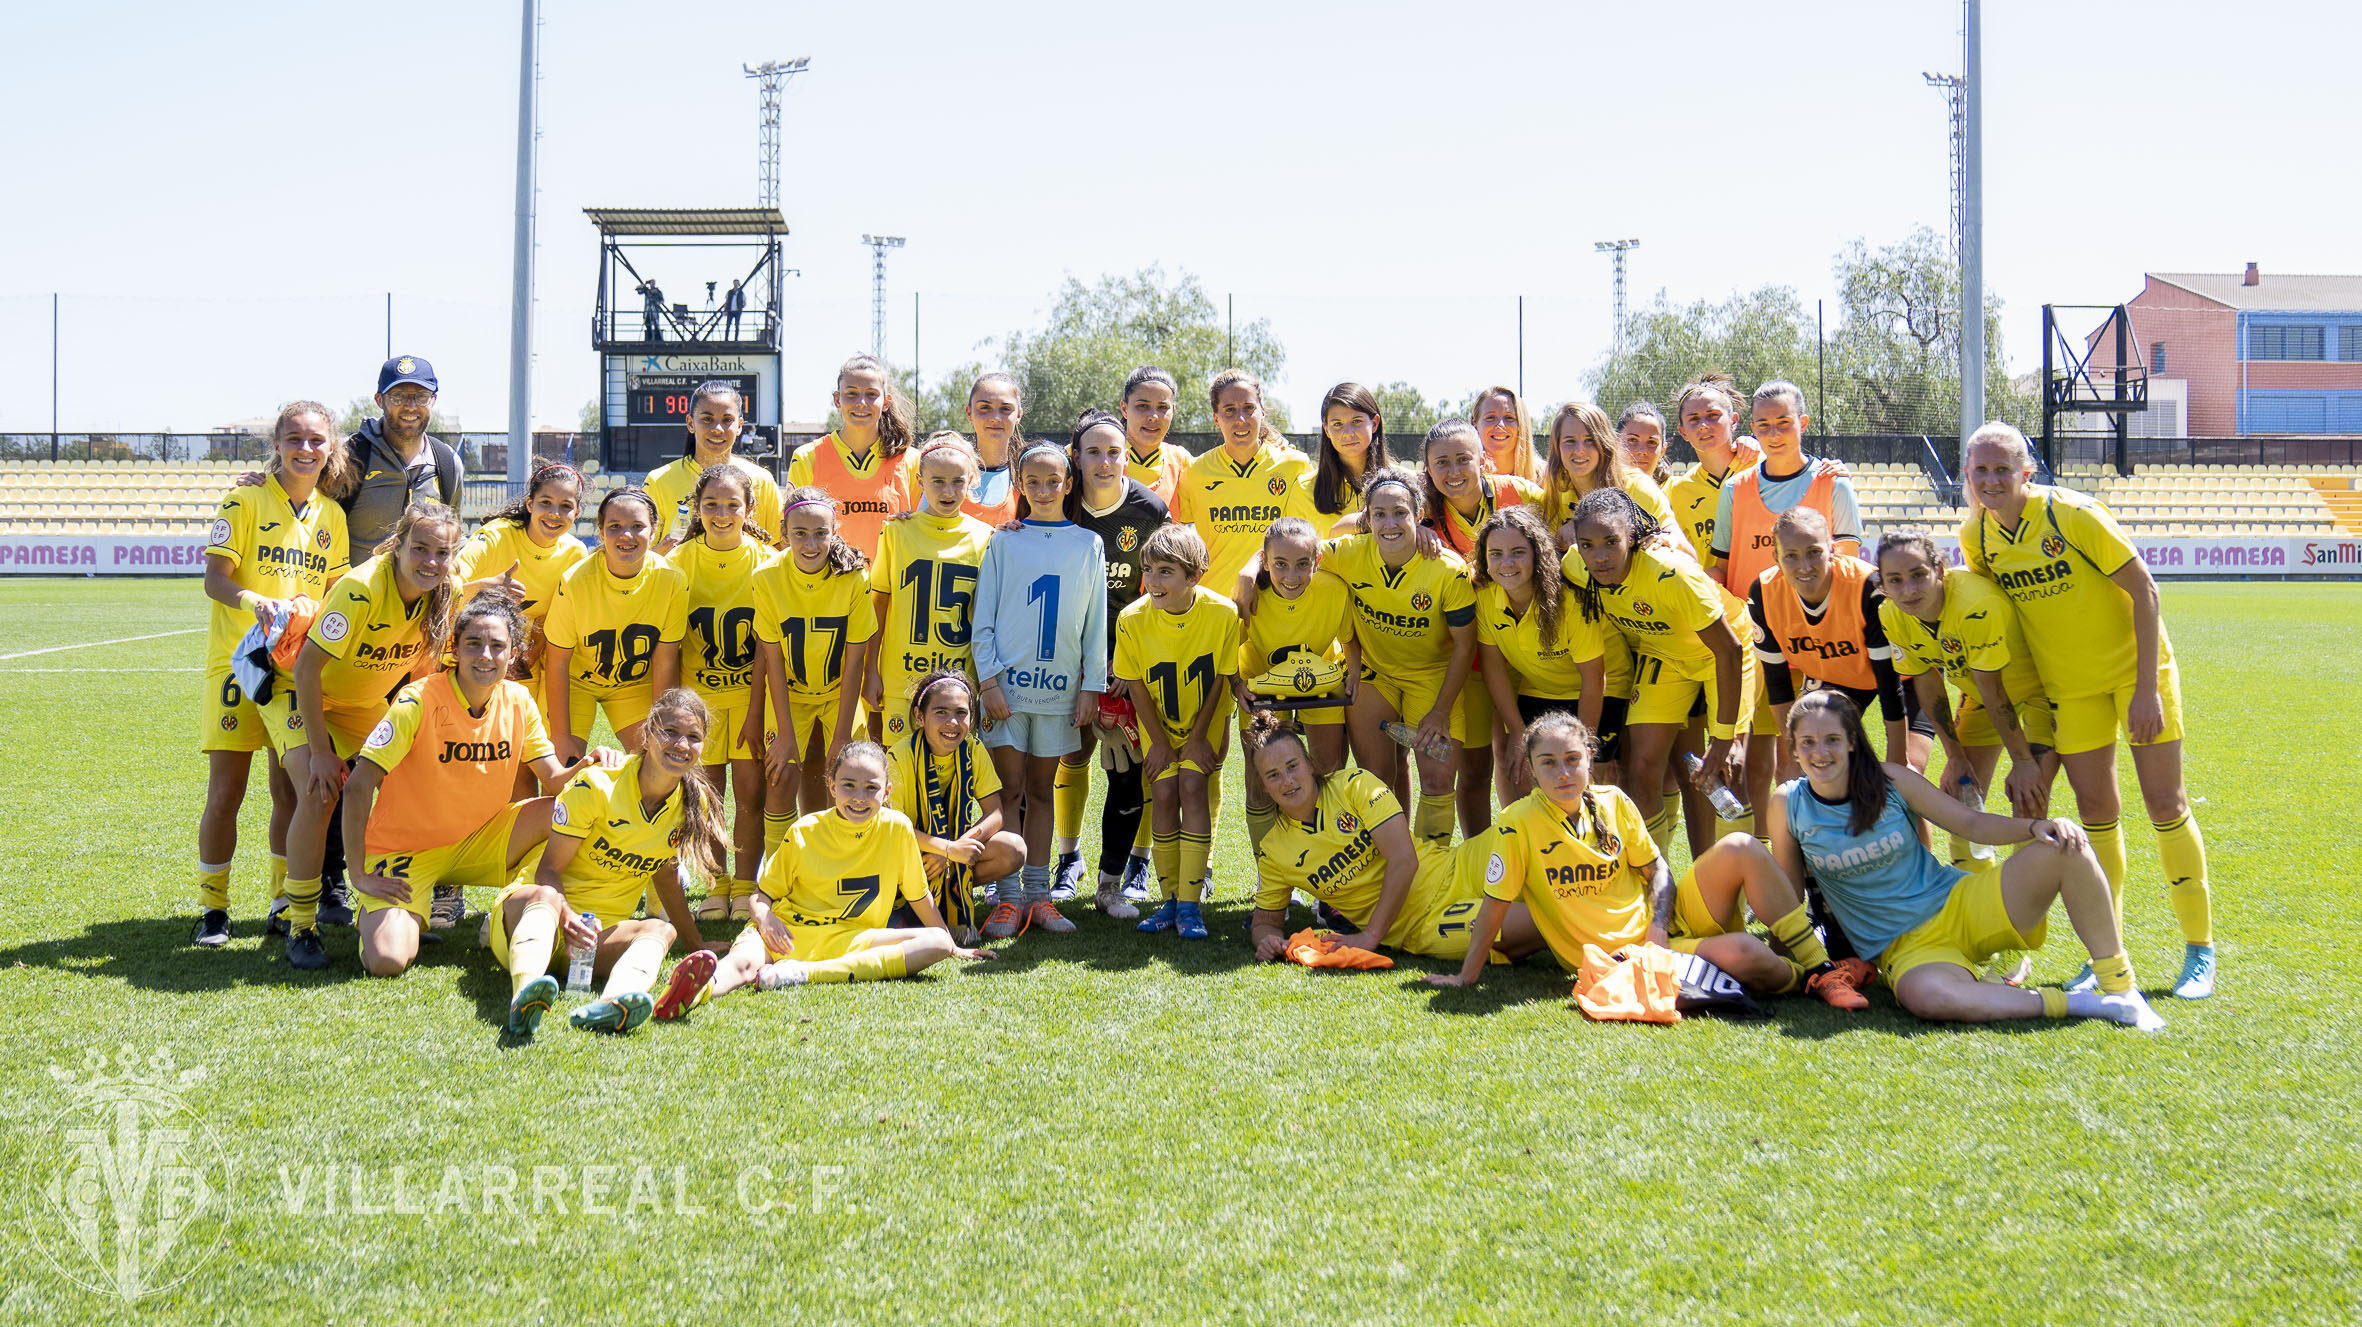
{"type": "Point", "coordinates": [224, 193]}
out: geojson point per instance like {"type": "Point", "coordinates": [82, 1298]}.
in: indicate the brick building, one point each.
{"type": "Point", "coordinates": [2247, 353]}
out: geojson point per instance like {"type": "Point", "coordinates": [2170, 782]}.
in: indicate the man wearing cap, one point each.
{"type": "Point", "coordinates": [396, 459]}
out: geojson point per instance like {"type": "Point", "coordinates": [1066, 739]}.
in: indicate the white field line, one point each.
{"type": "Point", "coordinates": [94, 644]}
{"type": "Point", "coordinates": [10, 672]}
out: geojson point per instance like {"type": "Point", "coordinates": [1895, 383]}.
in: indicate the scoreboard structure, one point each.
{"type": "Point", "coordinates": [719, 321]}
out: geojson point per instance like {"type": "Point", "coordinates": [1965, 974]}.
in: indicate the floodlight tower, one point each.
{"type": "Point", "coordinates": [1618, 248]}
{"type": "Point", "coordinates": [878, 244]}
{"type": "Point", "coordinates": [1955, 90]}
{"type": "Point", "coordinates": [769, 77]}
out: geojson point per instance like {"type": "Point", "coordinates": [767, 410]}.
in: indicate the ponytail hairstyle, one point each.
{"type": "Point", "coordinates": [1866, 783]}
{"type": "Point", "coordinates": [518, 511]}
{"type": "Point", "coordinates": [1614, 509]}
{"type": "Point", "coordinates": [705, 827]}
{"type": "Point", "coordinates": [337, 479]}
{"type": "Point", "coordinates": [1093, 418]}
{"type": "Point", "coordinates": [712, 389]}
{"type": "Point", "coordinates": [1286, 527]}
{"type": "Point", "coordinates": [1712, 382]}
{"type": "Point", "coordinates": [863, 749]}
{"type": "Point", "coordinates": [1414, 487]}
{"type": "Point", "coordinates": [628, 493]}
{"type": "Point", "coordinates": [1644, 410]}
{"type": "Point", "coordinates": [1229, 378]}
{"type": "Point", "coordinates": [439, 603]}
{"type": "Point", "coordinates": [843, 558]}
{"type": "Point", "coordinates": [1140, 377]}
{"type": "Point", "coordinates": [1607, 472]}
{"type": "Point", "coordinates": [1549, 586]}
{"type": "Point", "coordinates": [941, 677]}
{"type": "Point", "coordinates": [1526, 465]}
{"type": "Point", "coordinates": [714, 477]}
{"type": "Point", "coordinates": [1042, 447]}
{"type": "Point", "coordinates": [495, 604]}
{"type": "Point", "coordinates": [1269, 728]}
{"type": "Point", "coordinates": [1777, 388]}
{"type": "Point", "coordinates": [1332, 482]}
{"type": "Point", "coordinates": [896, 429]}
{"type": "Point", "coordinates": [1444, 428]}
{"type": "Point", "coordinates": [1591, 827]}
{"type": "Point", "coordinates": [1017, 441]}
{"type": "Point", "coordinates": [1915, 542]}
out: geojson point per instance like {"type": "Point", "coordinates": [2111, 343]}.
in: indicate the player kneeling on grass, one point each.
{"type": "Point", "coordinates": [1854, 823]}
{"type": "Point", "coordinates": [944, 781]}
{"type": "Point", "coordinates": [1580, 855]}
{"type": "Point", "coordinates": [445, 758]}
{"type": "Point", "coordinates": [1343, 838]}
{"type": "Point", "coordinates": [613, 834]}
{"type": "Point", "coordinates": [822, 904]}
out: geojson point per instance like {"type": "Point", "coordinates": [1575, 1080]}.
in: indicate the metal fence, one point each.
{"type": "Point", "coordinates": [479, 453]}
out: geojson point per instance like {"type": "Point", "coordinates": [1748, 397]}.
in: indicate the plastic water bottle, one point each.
{"type": "Point", "coordinates": [578, 962]}
{"type": "Point", "coordinates": [1407, 737]}
{"type": "Point", "coordinates": [1965, 787]}
{"type": "Point", "coordinates": [1726, 803]}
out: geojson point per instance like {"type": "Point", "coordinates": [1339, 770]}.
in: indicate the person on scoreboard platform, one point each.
{"type": "Point", "coordinates": [733, 308]}
{"type": "Point", "coordinates": [651, 311]}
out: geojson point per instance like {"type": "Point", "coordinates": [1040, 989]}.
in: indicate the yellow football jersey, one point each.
{"type": "Point", "coordinates": [490, 550]}
{"type": "Point", "coordinates": [1319, 620]}
{"type": "Point", "coordinates": [1586, 884]}
{"type": "Point", "coordinates": [812, 619]}
{"type": "Point", "coordinates": [718, 649]}
{"type": "Point", "coordinates": [1333, 858]}
{"type": "Point", "coordinates": [1182, 657]}
{"type": "Point", "coordinates": [274, 550]}
{"type": "Point", "coordinates": [929, 565]}
{"type": "Point", "coordinates": [1660, 608]}
{"type": "Point", "coordinates": [372, 640]}
{"type": "Point", "coordinates": [2055, 566]}
{"type": "Point", "coordinates": [1550, 672]}
{"type": "Point", "coordinates": [830, 872]}
{"type": "Point", "coordinates": [1233, 502]}
{"type": "Point", "coordinates": [1496, 492]}
{"type": "Point", "coordinates": [1694, 498]}
{"type": "Point", "coordinates": [1977, 629]}
{"type": "Point", "coordinates": [1162, 473]}
{"type": "Point", "coordinates": [620, 845]}
{"type": "Point", "coordinates": [672, 483]}
{"type": "Point", "coordinates": [1323, 522]}
{"type": "Point", "coordinates": [942, 795]}
{"type": "Point", "coordinates": [1559, 503]}
{"type": "Point", "coordinates": [614, 626]}
{"type": "Point", "coordinates": [1402, 615]}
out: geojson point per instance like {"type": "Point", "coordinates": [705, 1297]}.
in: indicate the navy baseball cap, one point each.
{"type": "Point", "coordinates": [406, 368]}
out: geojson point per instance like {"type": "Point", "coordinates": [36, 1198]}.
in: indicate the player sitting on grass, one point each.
{"type": "Point", "coordinates": [613, 835]}
{"type": "Point", "coordinates": [1175, 649]}
{"type": "Point", "coordinates": [446, 756]}
{"type": "Point", "coordinates": [944, 781]}
{"type": "Point", "coordinates": [1581, 857]}
{"type": "Point", "coordinates": [822, 905]}
{"type": "Point", "coordinates": [1854, 824]}
{"type": "Point", "coordinates": [1343, 838]}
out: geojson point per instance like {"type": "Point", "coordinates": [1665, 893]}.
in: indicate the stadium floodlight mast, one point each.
{"type": "Point", "coordinates": [878, 244]}
{"type": "Point", "coordinates": [769, 76]}
{"type": "Point", "coordinates": [1618, 248]}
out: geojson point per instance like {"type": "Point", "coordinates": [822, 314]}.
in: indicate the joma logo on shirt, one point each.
{"type": "Point", "coordinates": [1245, 513]}
{"type": "Point", "coordinates": [2033, 576]}
{"type": "Point", "coordinates": [862, 507]}
{"type": "Point", "coordinates": [473, 752]}
{"type": "Point", "coordinates": [1827, 649]}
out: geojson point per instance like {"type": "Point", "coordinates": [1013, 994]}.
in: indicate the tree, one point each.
{"type": "Point", "coordinates": [588, 421]}
{"type": "Point", "coordinates": [1895, 356]}
{"type": "Point", "coordinates": [1096, 335]}
{"type": "Point", "coordinates": [365, 407]}
{"type": "Point", "coordinates": [1408, 414]}
{"type": "Point", "coordinates": [1754, 338]}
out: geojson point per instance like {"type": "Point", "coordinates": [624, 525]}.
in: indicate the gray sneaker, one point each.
{"type": "Point", "coordinates": [449, 906]}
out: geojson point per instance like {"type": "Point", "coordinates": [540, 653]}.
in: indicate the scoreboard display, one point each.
{"type": "Point", "coordinates": [663, 398]}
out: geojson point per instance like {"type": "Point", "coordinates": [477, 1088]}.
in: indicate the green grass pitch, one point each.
{"type": "Point", "coordinates": [1111, 1126]}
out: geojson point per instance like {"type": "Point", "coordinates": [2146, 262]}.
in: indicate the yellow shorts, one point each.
{"type": "Point", "coordinates": [815, 720]}
{"type": "Point", "coordinates": [1972, 926]}
{"type": "Point", "coordinates": [231, 721]}
{"type": "Point", "coordinates": [625, 706]}
{"type": "Point", "coordinates": [1658, 698]}
{"type": "Point", "coordinates": [2088, 723]}
{"type": "Point", "coordinates": [813, 944]}
{"type": "Point", "coordinates": [1975, 724]}
{"type": "Point", "coordinates": [1217, 734]}
{"type": "Point", "coordinates": [478, 861]}
{"type": "Point", "coordinates": [282, 723]}
{"type": "Point", "coordinates": [1413, 697]}
{"type": "Point", "coordinates": [1436, 918]}
{"type": "Point", "coordinates": [724, 717]}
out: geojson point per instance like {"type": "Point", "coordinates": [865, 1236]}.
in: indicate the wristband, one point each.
{"type": "Point", "coordinates": [247, 599]}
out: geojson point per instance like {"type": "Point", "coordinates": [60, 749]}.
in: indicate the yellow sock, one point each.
{"type": "Point", "coordinates": [2114, 973]}
{"type": "Point", "coordinates": [1434, 819]}
{"type": "Point", "coordinates": [774, 832]}
{"type": "Point", "coordinates": [530, 942]}
{"type": "Point", "coordinates": [741, 888]}
{"type": "Point", "coordinates": [1660, 828]}
{"type": "Point", "coordinates": [1192, 853]}
{"type": "Point", "coordinates": [2054, 1002]}
{"type": "Point", "coordinates": [303, 903]}
{"type": "Point", "coordinates": [1722, 828]}
{"type": "Point", "coordinates": [2184, 855]}
{"type": "Point", "coordinates": [1260, 819]}
{"type": "Point", "coordinates": [213, 886]}
{"type": "Point", "coordinates": [861, 965]}
{"type": "Point", "coordinates": [635, 968]}
{"type": "Point", "coordinates": [1142, 837]}
{"type": "Point", "coordinates": [1074, 790]}
{"type": "Point", "coordinates": [279, 876]}
{"type": "Point", "coordinates": [2107, 843]}
{"type": "Point", "coordinates": [1795, 933]}
{"type": "Point", "coordinates": [1165, 851]}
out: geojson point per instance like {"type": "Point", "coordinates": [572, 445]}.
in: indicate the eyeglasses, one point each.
{"type": "Point", "coordinates": [408, 398]}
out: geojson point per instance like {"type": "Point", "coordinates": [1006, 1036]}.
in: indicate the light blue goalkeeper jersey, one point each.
{"type": "Point", "coordinates": [1041, 616]}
